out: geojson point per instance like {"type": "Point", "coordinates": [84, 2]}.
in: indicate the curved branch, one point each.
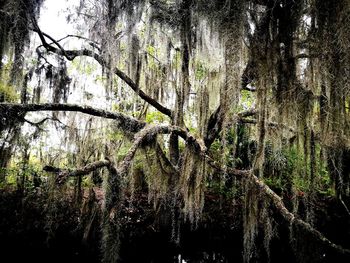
{"type": "Point", "coordinates": [37, 124]}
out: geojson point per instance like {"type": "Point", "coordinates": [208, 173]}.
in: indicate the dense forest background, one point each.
{"type": "Point", "coordinates": [132, 130]}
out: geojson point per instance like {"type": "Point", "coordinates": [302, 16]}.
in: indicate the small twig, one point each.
{"type": "Point", "coordinates": [346, 208]}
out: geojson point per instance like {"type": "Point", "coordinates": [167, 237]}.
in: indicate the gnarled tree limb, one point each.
{"type": "Point", "coordinates": [62, 174]}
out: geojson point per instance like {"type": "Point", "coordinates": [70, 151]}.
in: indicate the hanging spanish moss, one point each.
{"type": "Point", "coordinates": [111, 217]}
{"type": "Point", "coordinates": [192, 183]}
{"type": "Point", "coordinates": [157, 175]}
{"type": "Point", "coordinates": [14, 29]}
{"type": "Point", "coordinates": [334, 69]}
{"type": "Point", "coordinates": [258, 225]}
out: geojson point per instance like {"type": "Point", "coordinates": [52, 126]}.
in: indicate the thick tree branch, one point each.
{"type": "Point", "coordinates": [214, 126]}
{"type": "Point", "coordinates": [72, 54]}
{"type": "Point", "coordinates": [243, 174]}
{"type": "Point", "coordinates": [290, 217]}
{"type": "Point", "coordinates": [62, 174]}
{"type": "Point", "coordinates": [123, 122]}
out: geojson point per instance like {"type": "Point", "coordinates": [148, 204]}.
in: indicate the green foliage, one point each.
{"type": "Point", "coordinates": [275, 183]}
{"type": "Point", "coordinates": [155, 117]}
{"type": "Point", "coordinates": [200, 71]}
{"type": "Point", "coordinates": [301, 184]}
{"type": "Point", "coordinates": [83, 66]}
{"type": "Point", "coordinates": [288, 167]}
{"type": "Point", "coordinates": [151, 50]}
{"type": "Point", "coordinates": [294, 159]}
{"type": "Point", "coordinates": [219, 187]}
{"type": "Point", "coordinates": [8, 92]}
{"type": "Point", "coordinates": [122, 151]}
{"type": "Point", "coordinates": [247, 99]}
{"type": "Point", "coordinates": [324, 183]}
{"type": "Point", "coordinates": [87, 182]}
{"type": "Point", "coordinates": [10, 175]}
{"type": "Point", "coordinates": [101, 79]}
{"type": "Point", "coordinates": [177, 61]}
{"type": "Point", "coordinates": [215, 146]}
{"type": "Point", "coordinates": [18, 170]}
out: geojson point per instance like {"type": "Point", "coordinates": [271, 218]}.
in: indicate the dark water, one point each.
{"type": "Point", "coordinates": [205, 257]}
{"type": "Point", "coordinates": [194, 257]}
{"type": "Point", "coordinates": [25, 237]}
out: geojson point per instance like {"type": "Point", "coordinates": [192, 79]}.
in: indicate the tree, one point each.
{"type": "Point", "coordinates": [224, 67]}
